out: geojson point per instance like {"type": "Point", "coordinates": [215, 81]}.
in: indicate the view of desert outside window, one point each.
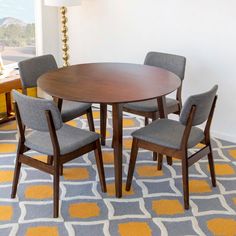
{"type": "Point", "coordinates": [17, 30]}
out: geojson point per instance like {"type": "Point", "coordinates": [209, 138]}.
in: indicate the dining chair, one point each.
{"type": "Point", "coordinates": [149, 108]}
{"type": "Point", "coordinates": [31, 69]}
{"type": "Point", "coordinates": [50, 136]}
{"type": "Point", "coordinates": [174, 138]}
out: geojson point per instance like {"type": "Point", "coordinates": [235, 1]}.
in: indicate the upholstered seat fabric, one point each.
{"type": "Point", "coordinates": [71, 110]}
{"type": "Point", "coordinates": [151, 105]}
{"type": "Point", "coordinates": [69, 138]}
{"type": "Point", "coordinates": [168, 133]}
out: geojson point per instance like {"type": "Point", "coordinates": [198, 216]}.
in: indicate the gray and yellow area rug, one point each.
{"type": "Point", "coordinates": [154, 206]}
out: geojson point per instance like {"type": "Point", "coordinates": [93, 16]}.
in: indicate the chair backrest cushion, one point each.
{"type": "Point", "coordinates": [173, 63]}
{"type": "Point", "coordinates": [31, 69]}
{"type": "Point", "coordinates": [32, 112]}
{"type": "Point", "coordinates": [203, 103]}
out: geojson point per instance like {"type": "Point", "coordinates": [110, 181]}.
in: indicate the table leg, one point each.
{"type": "Point", "coordinates": [117, 134]}
{"type": "Point", "coordinates": [103, 123]}
{"type": "Point", "coordinates": [161, 101]}
{"type": "Point", "coordinates": [8, 104]}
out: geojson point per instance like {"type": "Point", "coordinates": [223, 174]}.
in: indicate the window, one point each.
{"type": "Point", "coordinates": [17, 30]}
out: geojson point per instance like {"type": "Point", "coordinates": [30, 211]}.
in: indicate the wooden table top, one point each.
{"type": "Point", "coordinates": [9, 83]}
{"type": "Point", "coordinates": [109, 82]}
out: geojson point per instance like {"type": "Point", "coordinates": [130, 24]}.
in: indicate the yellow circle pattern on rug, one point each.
{"type": "Point", "coordinates": [42, 231]}
{"type": "Point", "coordinates": [199, 186]}
{"type": "Point", "coordinates": [232, 153]}
{"type": "Point", "coordinates": [39, 192]}
{"type": "Point", "coordinates": [6, 176]}
{"type": "Point", "coordinates": [6, 213]}
{"type": "Point", "coordinates": [134, 229]}
{"type": "Point", "coordinates": [84, 210]}
{"type": "Point", "coordinates": [128, 122]}
{"type": "Point", "coordinates": [223, 169]}
{"type": "Point", "coordinates": [222, 226]}
{"type": "Point", "coordinates": [167, 207]}
{"type": "Point", "coordinates": [80, 173]}
{"type": "Point", "coordinates": [148, 171]}
{"type": "Point", "coordinates": [7, 147]}
{"type": "Point", "coordinates": [127, 143]}
{"type": "Point", "coordinates": [108, 157]}
{"type": "Point", "coordinates": [42, 158]}
{"type": "Point", "coordinates": [111, 190]}
{"type": "Point", "coordinates": [8, 126]}
{"type": "Point", "coordinates": [234, 200]}
{"type": "Point", "coordinates": [72, 123]}
{"type": "Point", "coordinates": [96, 115]}
{"type": "Point", "coordinates": [108, 134]}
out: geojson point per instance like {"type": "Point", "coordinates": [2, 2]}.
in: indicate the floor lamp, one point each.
{"type": "Point", "coordinates": [63, 4]}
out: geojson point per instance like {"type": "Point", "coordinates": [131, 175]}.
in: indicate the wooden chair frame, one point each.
{"type": "Point", "coordinates": [59, 103]}
{"type": "Point", "coordinates": [88, 112]}
{"type": "Point", "coordinates": [54, 162]}
{"type": "Point", "coordinates": [181, 153]}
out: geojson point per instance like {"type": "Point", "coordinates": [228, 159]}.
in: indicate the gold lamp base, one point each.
{"type": "Point", "coordinates": [64, 30]}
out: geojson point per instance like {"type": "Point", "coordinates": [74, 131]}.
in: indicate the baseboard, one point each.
{"type": "Point", "coordinates": [223, 136]}
{"type": "Point", "coordinates": [216, 134]}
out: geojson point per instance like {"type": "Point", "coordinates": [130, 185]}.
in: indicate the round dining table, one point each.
{"type": "Point", "coordinates": [113, 84]}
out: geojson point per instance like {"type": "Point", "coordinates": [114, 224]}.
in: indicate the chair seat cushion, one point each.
{"type": "Point", "coordinates": [69, 138]}
{"type": "Point", "coordinates": [151, 105]}
{"type": "Point", "coordinates": [71, 110]}
{"type": "Point", "coordinates": [168, 133]}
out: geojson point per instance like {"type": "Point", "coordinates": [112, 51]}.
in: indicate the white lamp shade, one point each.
{"type": "Point", "coordinates": [62, 3]}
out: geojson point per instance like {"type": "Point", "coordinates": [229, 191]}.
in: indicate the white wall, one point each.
{"type": "Point", "coordinates": [47, 26]}
{"type": "Point", "coordinates": [201, 30]}
{"type": "Point", "coordinates": [47, 38]}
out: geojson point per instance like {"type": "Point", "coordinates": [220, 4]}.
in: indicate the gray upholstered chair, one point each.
{"type": "Point", "coordinates": [149, 109]}
{"type": "Point", "coordinates": [31, 69]}
{"type": "Point", "coordinates": [50, 136]}
{"type": "Point", "coordinates": [174, 138]}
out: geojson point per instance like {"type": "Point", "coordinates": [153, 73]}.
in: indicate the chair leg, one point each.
{"type": "Point", "coordinates": [56, 181]}
{"type": "Point", "coordinates": [160, 161]}
{"type": "Point", "coordinates": [20, 150]}
{"type": "Point", "coordinates": [103, 123]}
{"type": "Point", "coordinates": [112, 142]}
{"type": "Point", "coordinates": [146, 122]}
{"type": "Point", "coordinates": [154, 155]}
{"type": "Point", "coordinates": [169, 160]}
{"type": "Point", "coordinates": [132, 162]}
{"type": "Point", "coordinates": [185, 182]}
{"type": "Point", "coordinates": [90, 119]}
{"type": "Point", "coordinates": [99, 161]}
{"type": "Point", "coordinates": [61, 170]}
{"type": "Point", "coordinates": [50, 162]}
{"type": "Point", "coordinates": [212, 168]}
